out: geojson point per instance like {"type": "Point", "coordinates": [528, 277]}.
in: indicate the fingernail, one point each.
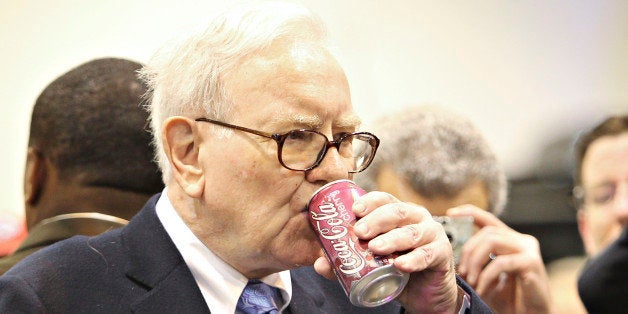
{"type": "Point", "coordinates": [378, 243]}
{"type": "Point", "coordinates": [401, 261]}
{"type": "Point", "coordinates": [361, 228]}
{"type": "Point", "coordinates": [358, 208]}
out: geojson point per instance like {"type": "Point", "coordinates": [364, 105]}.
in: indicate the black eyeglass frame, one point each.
{"type": "Point", "coordinates": [280, 138]}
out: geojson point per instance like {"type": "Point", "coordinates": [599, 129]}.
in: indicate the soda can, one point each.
{"type": "Point", "coordinates": [368, 280]}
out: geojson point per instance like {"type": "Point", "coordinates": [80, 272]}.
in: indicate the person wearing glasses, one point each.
{"type": "Point", "coordinates": [250, 117]}
{"type": "Point", "coordinates": [439, 159]}
{"type": "Point", "coordinates": [89, 164]}
{"type": "Point", "coordinates": [601, 192]}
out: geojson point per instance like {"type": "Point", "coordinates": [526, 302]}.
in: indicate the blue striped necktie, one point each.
{"type": "Point", "coordinates": [258, 298]}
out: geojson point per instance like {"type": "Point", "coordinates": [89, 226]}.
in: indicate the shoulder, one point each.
{"type": "Point", "coordinates": [70, 258]}
{"type": "Point", "coordinates": [80, 274]}
{"type": "Point", "coordinates": [8, 261]}
{"type": "Point", "coordinates": [67, 270]}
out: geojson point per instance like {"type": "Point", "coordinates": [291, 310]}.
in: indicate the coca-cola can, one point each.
{"type": "Point", "coordinates": [368, 280]}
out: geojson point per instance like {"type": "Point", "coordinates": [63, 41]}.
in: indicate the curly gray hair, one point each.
{"type": "Point", "coordinates": [439, 153]}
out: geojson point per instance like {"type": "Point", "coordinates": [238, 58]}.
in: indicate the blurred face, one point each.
{"type": "Point", "coordinates": [253, 211]}
{"type": "Point", "coordinates": [474, 194]}
{"type": "Point", "coordinates": [605, 183]}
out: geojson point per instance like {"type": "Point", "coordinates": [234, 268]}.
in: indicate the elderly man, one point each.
{"type": "Point", "coordinates": [250, 117]}
{"type": "Point", "coordinates": [438, 159]}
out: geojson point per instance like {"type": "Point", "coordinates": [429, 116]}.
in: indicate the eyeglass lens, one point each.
{"type": "Point", "coordinates": [303, 149]}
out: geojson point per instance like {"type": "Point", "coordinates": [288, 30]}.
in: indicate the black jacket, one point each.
{"type": "Point", "coordinates": [604, 280]}
{"type": "Point", "coordinates": [138, 269]}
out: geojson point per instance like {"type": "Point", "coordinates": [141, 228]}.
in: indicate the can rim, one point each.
{"type": "Point", "coordinates": [328, 184]}
{"type": "Point", "coordinates": [386, 272]}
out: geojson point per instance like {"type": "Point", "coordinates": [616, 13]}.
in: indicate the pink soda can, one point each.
{"type": "Point", "coordinates": [368, 280]}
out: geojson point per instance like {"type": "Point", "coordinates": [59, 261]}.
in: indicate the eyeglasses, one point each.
{"type": "Point", "coordinates": [601, 195]}
{"type": "Point", "coordinates": [303, 150]}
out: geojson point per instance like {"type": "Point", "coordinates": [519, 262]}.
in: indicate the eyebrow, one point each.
{"type": "Point", "coordinates": [351, 120]}
{"type": "Point", "coordinates": [315, 122]}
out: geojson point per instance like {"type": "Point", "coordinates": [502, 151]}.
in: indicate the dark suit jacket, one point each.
{"type": "Point", "coordinates": [59, 228]}
{"type": "Point", "coordinates": [138, 269]}
{"type": "Point", "coordinates": [604, 280]}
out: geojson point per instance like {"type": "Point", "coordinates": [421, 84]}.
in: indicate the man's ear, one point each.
{"type": "Point", "coordinates": [181, 145]}
{"type": "Point", "coordinates": [34, 176]}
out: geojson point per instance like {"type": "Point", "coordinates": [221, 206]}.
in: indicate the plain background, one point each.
{"type": "Point", "coordinates": [530, 74]}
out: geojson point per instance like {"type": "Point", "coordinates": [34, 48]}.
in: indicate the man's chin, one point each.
{"type": "Point", "coordinates": [300, 259]}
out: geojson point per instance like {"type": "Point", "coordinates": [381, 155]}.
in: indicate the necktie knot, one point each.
{"type": "Point", "coordinates": [258, 298]}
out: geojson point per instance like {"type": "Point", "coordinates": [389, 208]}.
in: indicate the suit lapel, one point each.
{"type": "Point", "coordinates": [176, 293]}
{"type": "Point", "coordinates": [156, 264]}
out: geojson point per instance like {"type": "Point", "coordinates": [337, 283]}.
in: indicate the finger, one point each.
{"type": "Point", "coordinates": [476, 252]}
{"type": "Point", "coordinates": [436, 255]}
{"type": "Point", "coordinates": [471, 250]}
{"type": "Point", "coordinates": [399, 239]}
{"type": "Point", "coordinates": [322, 266]}
{"type": "Point", "coordinates": [481, 218]}
{"type": "Point", "coordinates": [511, 265]}
{"type": "Point", "coordinates": [368, 202]}
{"type": "Point", "coordinates": [388, 217]}
{"type": "Point", "coordinates": [491, 275]}
{"type": "Point", "coordinates": [407, 237]}
{"type": "Point", "coordinates": [473, 263]}
{"type": "Point", "coordinates": [526, 263]}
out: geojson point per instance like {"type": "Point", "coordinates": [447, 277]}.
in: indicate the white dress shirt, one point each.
{"type": "Point", "coordinates": [220, 284]}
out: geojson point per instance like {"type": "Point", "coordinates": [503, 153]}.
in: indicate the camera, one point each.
{"type": "Point", "coordinates": [458, 230]}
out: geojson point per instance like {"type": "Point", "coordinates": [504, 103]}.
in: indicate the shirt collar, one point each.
{"type": "Point", "coordinates": [220, 284]}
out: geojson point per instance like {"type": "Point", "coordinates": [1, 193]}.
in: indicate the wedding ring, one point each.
{"type": "Point", "coordinates": [491, 256]}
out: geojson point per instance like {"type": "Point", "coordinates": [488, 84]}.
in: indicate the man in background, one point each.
{"type": "Point", "coordinates": [440, 160]}
{"type": "Point", "coordinates": [89, 164]}
{"type": "Point", "coordinates": [601, 189]}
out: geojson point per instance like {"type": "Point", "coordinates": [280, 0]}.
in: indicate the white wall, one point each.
{"type": "Point", "coordinates": [527, 72]}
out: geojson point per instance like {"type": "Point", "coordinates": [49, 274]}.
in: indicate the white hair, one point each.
{"type": "Point", "coordinates": [187, 77]}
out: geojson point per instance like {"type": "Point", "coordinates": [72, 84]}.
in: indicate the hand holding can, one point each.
{"type": "Point", "coordinates": [368, 280]}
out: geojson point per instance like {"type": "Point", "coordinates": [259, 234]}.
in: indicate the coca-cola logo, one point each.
{"type": "Point", "coordinates": [332, 220]}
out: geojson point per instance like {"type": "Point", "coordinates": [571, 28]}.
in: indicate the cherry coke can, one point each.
{"type": "Point", "coordinates": [368, 280]}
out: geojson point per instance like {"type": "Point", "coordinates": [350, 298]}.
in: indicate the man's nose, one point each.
{"type": "Point", "coordinates": [331, 168]}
